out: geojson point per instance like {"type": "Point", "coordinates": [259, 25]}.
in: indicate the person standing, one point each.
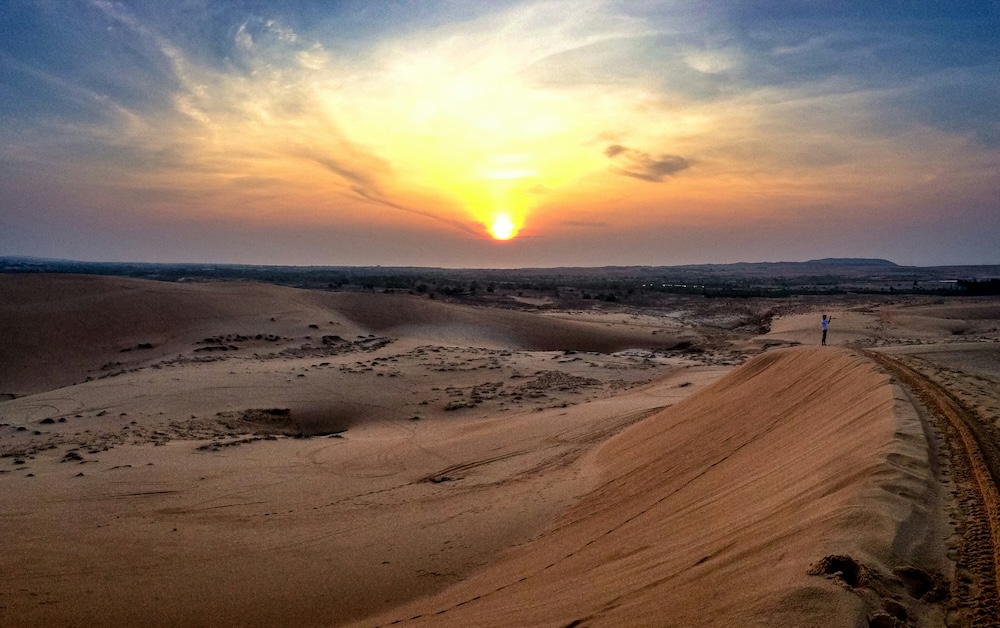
{"type": "Point", "coordinates": [826, 322]}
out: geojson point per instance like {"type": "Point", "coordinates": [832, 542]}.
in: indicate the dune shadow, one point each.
{"type": "Point", "coordinates": [299, 420]}
{"type": "Point", "coordinates": [324, 419]}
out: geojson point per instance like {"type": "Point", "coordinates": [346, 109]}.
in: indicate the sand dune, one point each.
{"type": "Point", "coordinates": [286, 532]}
{"type": "Point", "coordinates": [434, 321]}
{"type": "Point", "coordinates": [496, 467]}
{"type": "Point", "coordinates": [64, 328]}
{"type": "Point", "coordinates": [58, 330]}
{"type": "Point", "coordinates": [711, 513]}
{"type": "Point", "coordinates": [169, 490]}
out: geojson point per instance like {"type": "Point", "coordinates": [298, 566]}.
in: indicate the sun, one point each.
{"type": "Point", "coordinates": [502, 227]}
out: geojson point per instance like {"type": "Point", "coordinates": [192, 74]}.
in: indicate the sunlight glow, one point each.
{"type": "Point", "coordinates": [502, 227]}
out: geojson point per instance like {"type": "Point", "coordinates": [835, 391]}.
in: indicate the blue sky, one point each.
{"type": "Point", "coordinates": [421, 133]}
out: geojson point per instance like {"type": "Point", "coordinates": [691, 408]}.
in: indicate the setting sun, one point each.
{"type": "Point", "coordinates": [502, 228]}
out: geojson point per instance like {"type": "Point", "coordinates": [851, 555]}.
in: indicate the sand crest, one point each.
{"type": "Point", "coordinates": [711, 513]}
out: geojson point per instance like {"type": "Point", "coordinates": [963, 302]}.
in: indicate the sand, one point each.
{"type": "Point", "coordinates": [242, 454]}
{"type": "Point", "coordinates": [711, 512]}
{"type": "Point", "coordinates": [60, 329]}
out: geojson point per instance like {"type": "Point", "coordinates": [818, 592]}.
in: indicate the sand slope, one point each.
{"type": "Point", "coordinates": [147, 497]}
{"type": "Point", "coordinates": [291, 532]}
{"type": "Point", "coordinates": [710, 513]}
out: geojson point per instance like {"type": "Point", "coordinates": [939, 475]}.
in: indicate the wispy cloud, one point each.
{"type": "Point", "coordinates": [640, 165]}
{"type": "Point", "coordinates": [364, 185]}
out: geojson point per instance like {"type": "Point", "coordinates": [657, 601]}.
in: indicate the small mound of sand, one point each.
{"type": "Point", "coordinates": [258, 419]}
{"type": "Point", "coordinates": [306, 421]}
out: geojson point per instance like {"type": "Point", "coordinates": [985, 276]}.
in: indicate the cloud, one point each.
{"type": "Point", "coordinates": [640, 165]}
{"type": "Point", "coordinates": [365, 186]}
{"type": "Point", "coordinates": [586, 224]}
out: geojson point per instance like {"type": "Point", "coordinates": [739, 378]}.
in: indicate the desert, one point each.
{"type": "Point", "coordinates": [518, 313]}
{"type": "Point", "coordinates": [240, 453]}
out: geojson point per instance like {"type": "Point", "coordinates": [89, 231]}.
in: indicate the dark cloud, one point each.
{"type": "Point", "coordinates": [640, 165]}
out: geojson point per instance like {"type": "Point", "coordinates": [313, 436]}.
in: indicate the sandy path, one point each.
{"type": "Point", "coordinates": [976, 461]}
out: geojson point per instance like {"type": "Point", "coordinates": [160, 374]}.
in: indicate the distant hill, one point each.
{"type": "Point", "coordinates": [854, 261]}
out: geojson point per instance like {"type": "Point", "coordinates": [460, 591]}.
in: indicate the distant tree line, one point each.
{"type": "Point", "coordinates": [986, 287]}
{"type": "Point", "coordinates": [612, 284]}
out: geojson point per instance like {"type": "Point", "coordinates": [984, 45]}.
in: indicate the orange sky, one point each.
{"type": "Point", "coordinates": [557, 124]}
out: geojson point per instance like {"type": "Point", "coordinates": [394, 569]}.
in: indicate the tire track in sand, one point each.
{"type": "Point", "coordinates": [978, 464]}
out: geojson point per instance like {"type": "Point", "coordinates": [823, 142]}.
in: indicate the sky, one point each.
{"type": "Point", "coordinates": [463, 133]}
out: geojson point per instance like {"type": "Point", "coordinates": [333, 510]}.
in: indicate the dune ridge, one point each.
{"type": "Point", "coordinates": [711, 512]}
{"type": "Point", "coordinates": [451, 323]}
